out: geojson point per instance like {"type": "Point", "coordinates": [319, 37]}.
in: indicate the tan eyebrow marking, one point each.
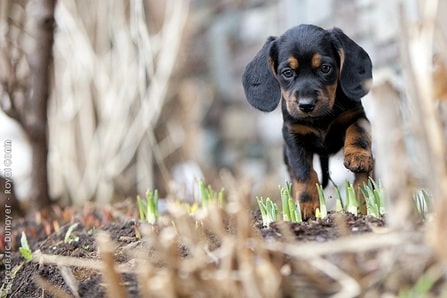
{"type": "Point", "coordinates": [316, 60]}
{"type": "Point", "coordinates": [293, 62]}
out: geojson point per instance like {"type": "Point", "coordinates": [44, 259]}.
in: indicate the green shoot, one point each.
{"type": "Point", "coordinates": [295, 211]}
{"type": "Point", "coordinates": [291, 211]}
{"type": "Point", "coordinates": [24, 248]}
{"type": "Point", "coordinates": [269, 210]}
{"type": "Point", "coordinates": [422, 201]}
{"type": "Point", "coordinates": [192, 208]}
{"type": "Point", "coordinates": [68, 238]}
{"type": "Point", "coordinates": [378, 194]}
{"type": "Point", "coordinates": [148, 208]}
{"type": "Point", "coordinates": [209, 196]}
{"type": "Point", "coordinates": [141, 207]}
{"type": "Point", "coordinates": [339, 202]}
{"type": "Point", "coordinates": [374, 198]}
{"type": "Point", "coordinates": [371, 206]}
{"type": "Point", "coordinates": [284, 202]}
{"type": "Point", "coordinates": [351, 199]}
{"type": "Point", "coordinates": [421, 288]}
{"type": "Point", "coordinates": [322, 211]}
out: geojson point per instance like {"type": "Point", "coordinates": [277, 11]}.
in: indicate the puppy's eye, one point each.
{"type": "Point", "coordinates": [325, 68]}
{"type": "Point", "coordinates": [287, 73]}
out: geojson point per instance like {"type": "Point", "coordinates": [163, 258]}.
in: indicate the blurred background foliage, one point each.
{"type": "Point", "coordinates": [146, 94]}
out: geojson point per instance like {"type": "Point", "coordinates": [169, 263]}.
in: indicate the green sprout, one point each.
{"type": "Point", "coordinates": [191, 208]}
{"type": "Point", "coordinates": [68, 238]}
{"type": "Point", "coordinates": [339, 206]}
{"type": "Point", "coordinates": [291, 211]}
{"type": "Point", "coordinates": [322, 211]}
{"type": "Point", "coordinates": [421, 288]}
{"type": "Point", "coordinates": [269, 210]}
{"type": "Point", "coordinates": [351, 199]}
{"type": "Point", "coordinates": [24, 248]}
{"type": "Point", "coordinates": [373, 194]}
{"type": "Point", "coordinates": [209, 196]}
{"type": "Point", "coordinates": [422, 200]}
{"type": "Point", "coordinates": [148, 208]}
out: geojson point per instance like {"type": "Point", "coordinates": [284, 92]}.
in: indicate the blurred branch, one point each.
{"type": "Point", "coordinates": [154, 97]}
{"type": "Point", "coordinates": [12, 90]}
{"type": "Point", "coordinates": [418, 50]}
{"type": "Point", "coordinates": [392, 156]}
{"type": "Point", "coordinates": [110, 93]}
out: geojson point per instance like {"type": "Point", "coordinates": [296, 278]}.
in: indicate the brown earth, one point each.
{"type": "Point", "coordinates": [46, 278]}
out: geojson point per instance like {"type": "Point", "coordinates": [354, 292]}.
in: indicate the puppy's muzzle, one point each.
{"type": "Point", "coordinates": [307, 104]}
{"type": "Point", "coordinates": [306, 98]}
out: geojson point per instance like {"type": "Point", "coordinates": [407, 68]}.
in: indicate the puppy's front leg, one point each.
{"type": "Point", "coordinates": [304, 180]}
{"type": "Point", "coordinates": [358, 154]}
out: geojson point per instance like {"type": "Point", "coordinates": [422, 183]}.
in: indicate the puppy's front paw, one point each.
{"type": "Point", "coordinates": [308, 208]}
{"type": "Point", "coordinates": [359, 160]}
{"type": "Point", "coordinates": [306, 194]}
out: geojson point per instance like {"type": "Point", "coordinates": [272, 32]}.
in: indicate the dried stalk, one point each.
{"type": "Point", "coordinates": [392, 157]}
{"type": "Point", "coordinates": [109, 98]}
{"type": "Point", "coordinates": [112, 277]}
{"type": "Point", "coordinates": [418, 54]}
{"type": "Point", "coordinates": [49, 289]}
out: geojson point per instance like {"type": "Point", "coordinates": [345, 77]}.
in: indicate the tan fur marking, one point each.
{"type": "Point", "coordinates": [309, 188]}
{"type": "Point", "coordinates": [358, 159]}
{"type": "Point", "coordinates": [303, 129]}
{"type": "Point", "coordinates": [346, 116]}
{"type": "Point", "coordinates": [293, 62]}
{"type": "Point", "coordinates": [316, 60]}
{"type": "Point", "coordinates": [272, 66]}
{"type": "Point", "coordinates": [290, 102]}
{"type": "Point", "coordinates": [331, 90]}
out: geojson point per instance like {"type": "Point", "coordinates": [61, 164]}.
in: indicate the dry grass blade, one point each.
{"type": "Point", "coordinates": [65, 261]}
{"type": "Point", "coordinates": [112, 277]}
{"type": "Point", "coordinates": [349, 286]}
{"type": "Point", "coordinates": [50, 289]}
{"type": "Point", "coordinates": [351, 244]}
{"type": "Point", "coordinates": [41, 258]}
{"type": "Point", "coordinates": [70, 280]}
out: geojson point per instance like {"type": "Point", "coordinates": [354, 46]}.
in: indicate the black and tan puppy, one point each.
{"type": "Point", "coordinates": [319, 76]}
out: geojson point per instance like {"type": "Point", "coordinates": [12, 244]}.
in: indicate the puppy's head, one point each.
{"type": "Point", "coordinates": [305, 66]}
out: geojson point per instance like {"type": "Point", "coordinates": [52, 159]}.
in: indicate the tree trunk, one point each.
{"type": "Point", "coordinates": [35, 121]}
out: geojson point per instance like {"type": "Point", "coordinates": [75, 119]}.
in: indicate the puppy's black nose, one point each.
{"type": "Point", "coordinates": [306, 105]}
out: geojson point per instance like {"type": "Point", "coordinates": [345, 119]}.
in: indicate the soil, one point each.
{"type": "Point", "coordinates": [48, 233]}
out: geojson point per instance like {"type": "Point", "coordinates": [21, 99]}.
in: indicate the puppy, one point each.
{"type": "Point", "coordinates": [319, 76]}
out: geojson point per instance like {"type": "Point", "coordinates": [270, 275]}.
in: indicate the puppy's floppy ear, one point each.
{"type": "Point", "coordinates": [260, 85]}
{"type": "Point", "coordinates": [355, 66]}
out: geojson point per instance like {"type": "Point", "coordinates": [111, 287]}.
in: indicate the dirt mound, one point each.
{"type": "Point", "coordinates": [223, 254]}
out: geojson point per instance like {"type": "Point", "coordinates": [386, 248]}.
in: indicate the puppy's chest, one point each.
{"type": "Point", "coordinates": [318, 139]}
{"type": "Point", "coordinates": [326, 136]}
